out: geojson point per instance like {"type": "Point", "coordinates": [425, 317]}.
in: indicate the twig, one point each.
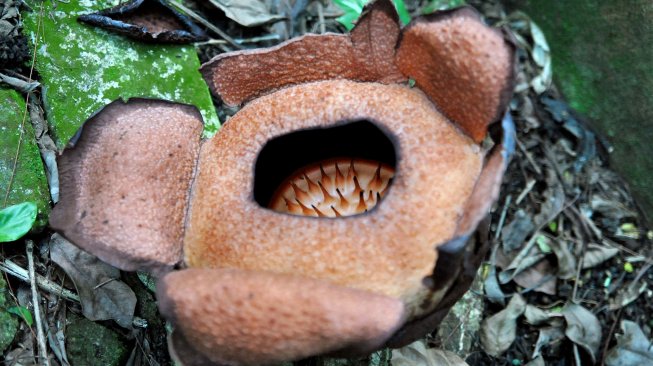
{"type": "Point", "coordinates": [320, 17]}
{"type": "Point", "coordinates": [502, 218]}
{"type": "Point", "coordinates": [263, 38]}
{"type": "Point", "coordinates": [529, 157]}
{"type": "Point", "coordinates": [527, 190]}
{"type": "Point", "coordinates": [581, 258]}
{"type": "Point", "coordinates": [45, 284]}
{"type": "Point", "coordinates": [610, 333]}
{"type": "Point", "coordinates": [36, 300]}
{"type": "Point", "coordinates": [206, 23]}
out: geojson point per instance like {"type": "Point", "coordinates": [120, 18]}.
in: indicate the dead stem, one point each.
{"type": "Point", "coordinates": [206, 23]}
{"type": "Point", "coordinates": [17, 271]}
{"type": "Point", "coordinates": [36, 302]}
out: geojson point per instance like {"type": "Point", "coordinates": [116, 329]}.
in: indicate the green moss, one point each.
{"type": "Point", "coordinates": [84, 68]}
{"type": "Point", "coordinates": [603, 64]}
{"type": "Point", "coordinates": [89, 343]}
{"type": "Point", "coordinates": [8, 322]}
{"type": "Point", "coordinates": [29, 181]}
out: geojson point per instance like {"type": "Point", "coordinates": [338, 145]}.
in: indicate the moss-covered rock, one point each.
{"type": "Point", "coordinates": [603, 63]}
{"type": "Point", "coordinates": [84, 68]}
{"type": "Point", "coordinates": [8, 322]}
{"type": "Point", "coordinates": [29, 182]}
{"type": "Point", "coordinates": [89, 343]}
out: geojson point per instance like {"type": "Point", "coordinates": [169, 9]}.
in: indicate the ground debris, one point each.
{"type": "Point", "coordinates": [574, 244]}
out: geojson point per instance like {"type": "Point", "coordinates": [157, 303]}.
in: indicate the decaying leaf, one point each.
{"type": "Point", "coordinates": [627, 294]}
{"type": "Point", "coordinates": [417, 354]}
{"type": "Point", "coordinates": [535, 315]}
{"type": "Point", "coordinates": [103, 295]}
{"type": "Point", "coordinates": [546, 337]}
{"type": "Point", "coordinates": [249, 13]}
{"type": "Point", "coordinates": [537, 361]}
{"type": "Point", "coordinates": [633, 348]}
{"type": "Point", "coordinates": [146, 20]}
{"type": "Point", "coordinates": [515, 233]}
{"type": "Point", "coordinates": [583, 328]}
{"type": "Point", "coordinates": [597, 254]}
{"type": "Point", "coordinates": [566, 260]}
{"type": "Point", "coordinates": [499, 331]}
{"type": "Point", "coordinates": [527, 258]}
{"type": "Point", "coordinates": [492, 288]}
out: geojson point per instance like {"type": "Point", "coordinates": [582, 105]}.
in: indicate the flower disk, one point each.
{"type": "Point", "coordinates": [322, 190]}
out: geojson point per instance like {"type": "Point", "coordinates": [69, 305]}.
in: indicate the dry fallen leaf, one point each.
{"type": "Point", "coordinates": [416, 353]}
{"type": "Point", "coordinates": [102, 294]}
{"type": "Point", "coordinates": [633, 348]}
{"type": "Point", "coordinates": [566, 260]}
{"type": "Point", "coordinates": [499, 331]}
{"type": "Point", "coordinates": [538, 361]}
{"type": "Point", "coordinates": [249, 13]}
{"type": "Point", "coordinates": [546, 337]}
{"type": "Point", "coordinates": [535, 315]}
{"type": "Point", "coordinates": [583, 328]}
{"type": "Point", "coordinates": [597, 254]}
{"type": "Point", "coordinates": [627, 294]}
{"type": "Point", "coordinates": [514, 234]}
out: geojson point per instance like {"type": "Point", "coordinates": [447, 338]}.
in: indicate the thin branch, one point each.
{"type": "Point", "coordinates": [36, 302]}
{"type": "Point", "coordinates": [206, 23]}
{"type": "Point", "coordinates": [17, 271]}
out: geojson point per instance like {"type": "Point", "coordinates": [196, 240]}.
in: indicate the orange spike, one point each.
{"type": "Point", "coordinates": [357, 186]}
{"type": "Point", "coordinates": [340, 179]}
{"type": "Point", "coordinates": [361, 203]}
{"type": "Point", "coordinates": [376, 182]}
{"type": "Point", "coordinates": [319, 213]}
{"type": "Point", "coordinates": [299, 194]}
{"type": "Point", "coordinates": [313, 188]}
{"type": "Point", "coordinates": [305, 210]}
{"type": "Point", "coordinates": [292, 207]}
{"type": "Point", "coordinates": [336, 212]}
{"type": "Point", "coordinates": [385, 190]}
{"type": "Point", "coordinates": [327, 197]}
{"type": "Point", "coordinates": [343, 200]}
{"type": "Point", "coordinates": [371, 199]}
{"type": "Point", "coordinates": [325, 179]}
{"type": "Point", "coordinates": [351, 177]}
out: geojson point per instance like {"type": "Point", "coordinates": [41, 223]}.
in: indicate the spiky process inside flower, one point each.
{"type": "Point", "coordinates": [334, 188]}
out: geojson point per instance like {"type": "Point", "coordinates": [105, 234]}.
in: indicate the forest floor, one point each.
{"type": "Point", "coordinates": [568, 281]}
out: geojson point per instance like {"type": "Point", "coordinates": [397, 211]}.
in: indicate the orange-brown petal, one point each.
{"type": "Point", "coordinates": [251, 318]}
{"type": "Point", "coordinates": [464, 66]}
{"type": "Point", "coordinates": [366, 55]}
{"type": "Point", "coordinates": [375, 40]}
{"type": "Point", "coordinates": [124, 193]}
{"type": "Point", "coordinates": [486, 190]}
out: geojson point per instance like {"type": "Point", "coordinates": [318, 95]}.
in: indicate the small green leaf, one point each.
{"type": "Point", "coordinates": [543, 243]}
{"type": "Point", "coordinates": [16, 221]}
{"type": "Point", "coordinates": [404, 15]}
{"type": "Point", "coordinates": [23, 313]}
{"type": "Point", "coordinates": [553, 226]}
{"type": "Point", "coordinates": [607, 281]}
{"type": "Point", "coordinates": [628, 267]}
{"type": "Point", "coordinates": [353, 8]}
{"type": "Point", "coordinates": [435, 5]}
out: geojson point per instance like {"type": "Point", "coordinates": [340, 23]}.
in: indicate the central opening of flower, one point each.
{"type": "Point", "coordinates": [326, 172]}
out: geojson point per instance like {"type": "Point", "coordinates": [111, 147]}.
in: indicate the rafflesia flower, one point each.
{"type": "Point", "coordinates": [333, 214]}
